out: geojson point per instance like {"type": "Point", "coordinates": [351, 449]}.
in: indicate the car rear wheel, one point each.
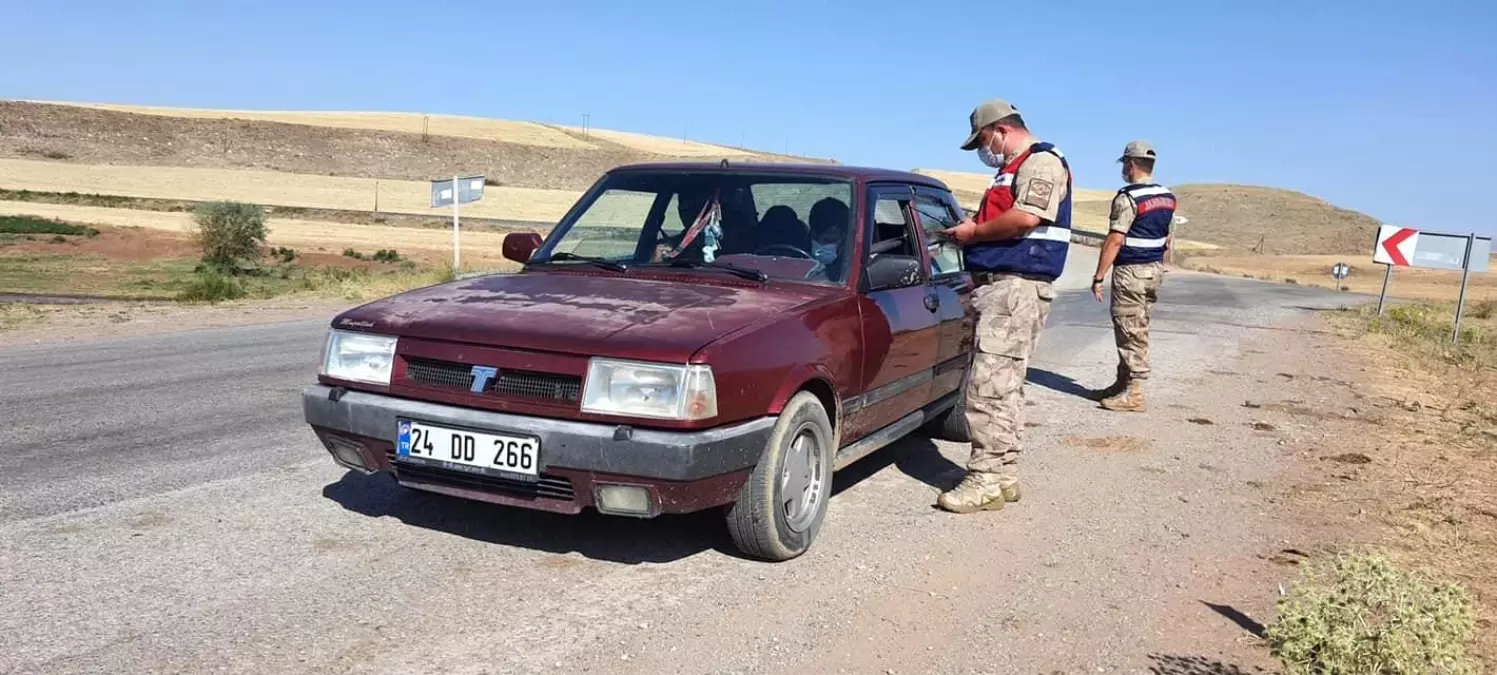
{"type": "Point", "coordinates": [781, 508]}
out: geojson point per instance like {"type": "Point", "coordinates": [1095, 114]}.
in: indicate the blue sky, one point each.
{"type": "Point", "coordinates": [1384, 107]}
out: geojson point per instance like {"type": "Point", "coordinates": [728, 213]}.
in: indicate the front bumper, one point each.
{"type": "Point", "coordinates": [683, 471]}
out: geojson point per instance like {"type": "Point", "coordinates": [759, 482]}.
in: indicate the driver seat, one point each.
{"type": "Point", "coordinates": [780, 225]}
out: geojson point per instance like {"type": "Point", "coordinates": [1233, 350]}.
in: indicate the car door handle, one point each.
{"type": "Point", "coordinates": [932, 302]}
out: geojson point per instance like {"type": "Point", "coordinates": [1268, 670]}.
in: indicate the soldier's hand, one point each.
{"type": "Point", "coordinates": [963, 233]}
{"type": "Point", "coordinates": [1097, 291]}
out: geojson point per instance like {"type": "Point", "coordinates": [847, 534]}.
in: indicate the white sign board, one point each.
{"type": "Point", "coordinates": [469, 190]}
{"type": "Point", "coordinates": [1408, 247]}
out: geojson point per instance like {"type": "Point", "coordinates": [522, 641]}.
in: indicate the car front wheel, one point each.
{"type": "Point", "coordinates": [781, 507]}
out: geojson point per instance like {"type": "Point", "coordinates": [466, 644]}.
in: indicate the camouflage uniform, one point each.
{"type": "Point", "coordinates": [1011, 311]}
{"type": "Point", "coordinates": [1135, 289]}
{"type": "Point", "coordinates": [1141, 214]}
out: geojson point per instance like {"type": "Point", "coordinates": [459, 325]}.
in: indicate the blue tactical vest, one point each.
{"type": "Point", "coordinates": [1040, 254]}
{"type": "Point", "coordinates": [1153, 212]}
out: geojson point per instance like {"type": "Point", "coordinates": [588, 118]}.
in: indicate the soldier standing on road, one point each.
{"type": "Point", "coordinates": [1015, 249]}
{"type": "Point", "coordinates": [1138, 235]}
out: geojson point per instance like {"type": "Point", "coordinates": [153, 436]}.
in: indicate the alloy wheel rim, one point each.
{"type": "Point", "coordinates": [802, 483]}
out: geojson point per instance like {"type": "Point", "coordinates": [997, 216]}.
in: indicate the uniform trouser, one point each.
{"type": "Point", "coordinates": [1135, 289]}
{"type": "Point", "coordinates": [1011, 311]}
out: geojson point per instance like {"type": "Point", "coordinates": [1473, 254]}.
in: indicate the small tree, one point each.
{"type": "Point", "coordinates": [230, 232]}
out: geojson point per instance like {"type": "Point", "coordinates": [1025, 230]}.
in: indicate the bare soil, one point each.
{"type": "Point", "coordinates": [1406, 461]}
{"type": "Point", "coordinates": [95, 136]}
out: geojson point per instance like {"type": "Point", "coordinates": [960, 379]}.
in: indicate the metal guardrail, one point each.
{"type": "Point", "coordinates": [1087, 238]}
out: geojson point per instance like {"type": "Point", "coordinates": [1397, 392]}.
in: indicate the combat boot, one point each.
{"type": "Point", "coordinates": [1131, 400]}
{"type": "Point", "coordinates": [980, 491]}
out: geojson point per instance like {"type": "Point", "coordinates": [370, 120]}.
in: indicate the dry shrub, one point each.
{"type": "Point", "coordinates": [1360, 614]}
{"type": "Point", "coordinates": [211, 286]}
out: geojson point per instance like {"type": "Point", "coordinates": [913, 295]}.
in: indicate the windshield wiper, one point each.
{"type": "Point", "coordinates": [755, 275]}
{"type": "Point", "coordinates": [600, 262]}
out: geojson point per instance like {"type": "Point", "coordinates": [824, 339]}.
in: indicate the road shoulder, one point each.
{"type": "Point", "coordinates": [29, 324]}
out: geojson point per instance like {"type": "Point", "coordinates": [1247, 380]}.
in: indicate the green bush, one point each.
{"type": "Point", "coordinates": [283, 254]}
{"type": "Point", "coordinates": [1359, 614]}
{"type": "Point", "coordinates": [230, 233]}
{"type": "Point", "coordinates": [212, 286]}
{"type": "Point", "coordinates": [384, 255]}
{"type": "Point", "coordinates": [35, 225]}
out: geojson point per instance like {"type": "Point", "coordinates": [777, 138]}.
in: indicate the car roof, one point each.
{"type": "Point", "coordinates": [862, 173]}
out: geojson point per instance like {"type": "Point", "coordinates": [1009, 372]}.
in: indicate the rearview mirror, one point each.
{"type": "Point", "coordinates": [888, 271]}
{"type": "Point", "coordinates": [518, 246]}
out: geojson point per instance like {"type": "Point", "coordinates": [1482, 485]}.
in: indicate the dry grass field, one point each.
{"type": "Point", "coordinates": [521, 133]}
{"type": "Point", "coordinates": [1366, 276]}
{"type": "Point", "coordinates": [661, 145]}
{"type": "Point", "coordinates": [480, 248]}
{"type": "Point", "coordinates": [274, 188]}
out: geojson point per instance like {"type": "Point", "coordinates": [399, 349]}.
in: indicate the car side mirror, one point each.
{"type": "Point", "coordinates": [518, 246]}
{"type": "Point", "coordinates": [888, 270]}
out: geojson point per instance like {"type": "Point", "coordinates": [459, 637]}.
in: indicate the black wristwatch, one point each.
{"type": "Point", "coordinates": [1096, 280]}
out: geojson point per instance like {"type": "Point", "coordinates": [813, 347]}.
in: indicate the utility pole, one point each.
{"type": "Point", "coordinates": [586, 128]}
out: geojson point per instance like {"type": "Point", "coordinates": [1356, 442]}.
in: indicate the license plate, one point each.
{"type": "Point", "coordinates": [469, 450]}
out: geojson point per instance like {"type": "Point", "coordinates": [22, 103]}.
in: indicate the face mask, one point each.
{"type": "Point", "coordinates": [990, 158]}
{"type": "Point", "coordinates": [824, 253]}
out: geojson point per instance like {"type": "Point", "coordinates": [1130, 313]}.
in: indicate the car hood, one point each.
{"type": "Point", "coordinates": [662, 316]}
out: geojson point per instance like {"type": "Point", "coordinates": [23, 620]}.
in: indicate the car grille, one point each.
{"type": "Point", "coordinates": [548, 487]}
{"type": "Point", "coordinates": [509, 383]}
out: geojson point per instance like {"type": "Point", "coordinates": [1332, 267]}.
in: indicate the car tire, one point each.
{"type": "Point", "coordinates": [952, 424]}
{"type": "Point", "coordinates": [781, 507]}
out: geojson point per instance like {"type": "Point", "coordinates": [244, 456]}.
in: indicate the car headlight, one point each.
{"type": "Point", "coordinates": [654, 390]}
{"type": "Point", "coordinates": [359, 357]}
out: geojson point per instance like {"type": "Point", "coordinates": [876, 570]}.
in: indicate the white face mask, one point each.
{"type": "Point", "coordinates": [986, 155]}
{"type": "Point", "coordinates": [824, 253]}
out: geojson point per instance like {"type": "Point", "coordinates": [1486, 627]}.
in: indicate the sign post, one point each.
{"type": "Point", "coordinates": [1460, 303]}
{"type": "Point", "coordinates": [1383, 298]}
{"type": "Point", "coordinates": [1407, 247]}
{"type": "Point", "coordinates": [455, 247]}
{"type": "Point", "coordinates": [458, 190]}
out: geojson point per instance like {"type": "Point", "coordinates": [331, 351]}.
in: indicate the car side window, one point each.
{"type": "Point", "coordinates": [891, 227]}
{"type": "Point", "coordinates": [935, 215]}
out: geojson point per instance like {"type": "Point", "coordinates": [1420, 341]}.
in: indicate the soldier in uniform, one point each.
{"type": "Point", "coordinates": [1015, 248]}
{"type": "Point", "coordinates": [1138, 235]}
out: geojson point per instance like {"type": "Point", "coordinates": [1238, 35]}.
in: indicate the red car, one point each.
{"type": "Point", "coordinates": [689, 336]}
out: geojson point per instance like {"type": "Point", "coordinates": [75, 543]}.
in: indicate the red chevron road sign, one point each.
{"type": "Point", "coordinates": [1395, 245]}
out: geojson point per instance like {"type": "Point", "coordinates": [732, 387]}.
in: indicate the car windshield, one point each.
{"type": "Point", "coordinates": [783, 226]}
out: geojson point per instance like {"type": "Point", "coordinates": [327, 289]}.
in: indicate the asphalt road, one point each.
{"type": "Point", "coordinates": [163, 508]}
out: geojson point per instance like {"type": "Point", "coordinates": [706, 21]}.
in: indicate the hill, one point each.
{"type": "Point", "coordinates": [1267, 220]}
{"type": "Point", "coordinates": [1233, 217]}
{"type": "Point", "coordinates": [356, 145]}
{"type": "Point", "coordinates": [63, 147]}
